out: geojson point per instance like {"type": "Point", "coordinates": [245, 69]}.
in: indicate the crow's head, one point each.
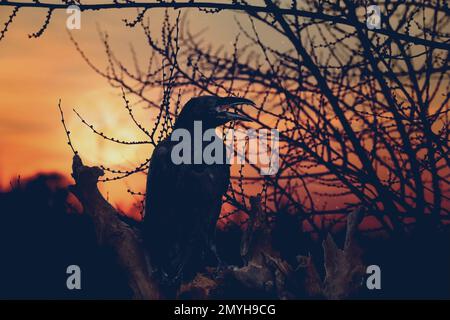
{"type": "Point", "coordinates": [212, 111]}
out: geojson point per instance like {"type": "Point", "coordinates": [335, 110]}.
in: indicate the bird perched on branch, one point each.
{"type": "Point", "coordinates": [183, 201]}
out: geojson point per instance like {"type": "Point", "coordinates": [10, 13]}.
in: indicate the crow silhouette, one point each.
{"type": "Point", "coordinates": [183, 201]}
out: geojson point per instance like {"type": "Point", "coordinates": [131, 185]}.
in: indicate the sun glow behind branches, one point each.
{"type": "Point", "coordinates": [36, 73]}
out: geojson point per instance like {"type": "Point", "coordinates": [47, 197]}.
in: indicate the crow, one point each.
{"type": "Point", "coordinates": [183, 201]}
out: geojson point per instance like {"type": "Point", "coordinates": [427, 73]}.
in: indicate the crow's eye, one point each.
{"type": "Point", "coordinates": [223, 108]}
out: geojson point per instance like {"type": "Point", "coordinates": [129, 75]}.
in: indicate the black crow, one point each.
{"type": "Point", "coordinates": [183, 201]}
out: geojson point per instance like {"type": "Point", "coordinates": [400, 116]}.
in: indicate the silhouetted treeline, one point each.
{"type": "Point", "coordinates": [40, 236]}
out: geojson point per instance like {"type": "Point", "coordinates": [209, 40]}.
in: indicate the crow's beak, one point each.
{"type": "Point", "coordinates": [232, 102]}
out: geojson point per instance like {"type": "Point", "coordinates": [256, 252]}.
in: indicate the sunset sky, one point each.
{"type": "Point", "coordinates": [36, 73]}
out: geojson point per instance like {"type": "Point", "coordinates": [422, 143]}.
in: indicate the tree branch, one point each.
{"type": "Point", "coordinates": [251, 9]}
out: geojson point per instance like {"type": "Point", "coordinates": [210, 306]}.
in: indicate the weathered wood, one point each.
{"type": "Point", "coordinates": [344, 269]}
{"type": "Point", "coordinates": [113, 232]}
{"type": "Point", "coordinates": [263, 270]}
{"type": "Point", "coordinates": [257, 238]}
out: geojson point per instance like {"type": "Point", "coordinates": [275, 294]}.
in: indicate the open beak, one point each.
{"type": "Point", "coordinates": [233, 102]}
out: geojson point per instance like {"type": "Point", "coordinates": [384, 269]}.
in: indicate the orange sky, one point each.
{"type": "Point", "coordinates": [35, 73]}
